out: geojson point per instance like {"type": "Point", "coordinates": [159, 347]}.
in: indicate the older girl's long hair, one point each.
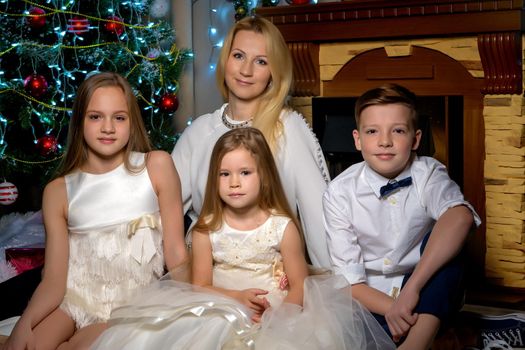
{"type": "Point", "coordinates": [273, 100]}
{"type": "Point", "coordinates": [271, 192]}
{"type": "Point", "coordinates": [76, 148]}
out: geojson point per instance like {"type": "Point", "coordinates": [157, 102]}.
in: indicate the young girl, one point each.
{"type": "Point", "coordinates": [248, 257]}
{"type": "Point", "coordinates": [102, 215]}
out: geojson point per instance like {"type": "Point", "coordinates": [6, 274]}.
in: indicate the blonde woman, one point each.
{"type": "Point", "coordinates": [254, 75]}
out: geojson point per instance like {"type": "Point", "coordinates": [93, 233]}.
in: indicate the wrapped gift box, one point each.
{"type": "Point", "coordinates": [26, 258]}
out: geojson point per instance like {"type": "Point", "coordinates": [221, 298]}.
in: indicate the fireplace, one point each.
{"type": "Point", "coordinates": [465, 59]}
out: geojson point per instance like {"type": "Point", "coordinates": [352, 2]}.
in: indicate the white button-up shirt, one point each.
{"type": "Point", "coordinates": [377, 240]}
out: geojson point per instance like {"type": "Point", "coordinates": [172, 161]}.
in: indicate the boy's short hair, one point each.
{"type": "Point", "coordinates": [388, 94]}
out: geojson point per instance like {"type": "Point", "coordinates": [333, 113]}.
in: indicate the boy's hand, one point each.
{"type": "Point", "coordinates": [400, 317]}
{"type": "Point", "coordinates": [251, 298]}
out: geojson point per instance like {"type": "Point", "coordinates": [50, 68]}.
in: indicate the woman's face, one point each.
{"type": "Point", "coordinates": [247, 71]}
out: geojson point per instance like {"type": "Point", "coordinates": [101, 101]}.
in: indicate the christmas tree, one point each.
{"type": "Point", "coordinates": [48, 47]}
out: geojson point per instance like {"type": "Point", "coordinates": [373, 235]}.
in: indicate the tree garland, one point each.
{"type": "Point", "coordinates": [48, 47]}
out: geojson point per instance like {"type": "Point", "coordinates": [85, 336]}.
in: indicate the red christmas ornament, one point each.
{"type": "Point", "coordinates": [8, 193]}
{"type": "Point", "coordinates": [169, 103]}
{"type": "Point", "coordinates": [77, 25]}
{"type": "Point", "coordinates": [36, 18]}
{"type": "Point", "coordinates": [115, 26]}
{"type": "Point", "coordinates": [47, 144]}
{"type": "Point", "coordinates": [35, 84]}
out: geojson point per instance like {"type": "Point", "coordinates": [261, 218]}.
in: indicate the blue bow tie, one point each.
{"type": "Point", "coordinates": [394, 185]}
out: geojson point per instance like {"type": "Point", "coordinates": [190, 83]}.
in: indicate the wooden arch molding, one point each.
{"type": "Point", "coordinates": [426, 72]}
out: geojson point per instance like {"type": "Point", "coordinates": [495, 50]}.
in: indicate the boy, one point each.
{"type": "Point", "coordinates": [379, 213]}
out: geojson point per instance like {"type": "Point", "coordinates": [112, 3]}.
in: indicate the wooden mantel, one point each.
{"type": "Point", "coordinates": [498, 25]}
{"type": "Point", "coordinates": [368, 19]}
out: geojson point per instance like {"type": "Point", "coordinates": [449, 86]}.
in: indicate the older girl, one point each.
{"type": "Point", "coordinates": [113, 219]}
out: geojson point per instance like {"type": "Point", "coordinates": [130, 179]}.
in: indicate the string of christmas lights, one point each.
{"type": "Point", "coordinates": [220, 13]}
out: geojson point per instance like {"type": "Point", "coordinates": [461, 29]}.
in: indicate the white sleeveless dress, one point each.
{"type": "Point", "coordinates": [115, 240]}
{"type": "Point", "coordinates": [176, 315]}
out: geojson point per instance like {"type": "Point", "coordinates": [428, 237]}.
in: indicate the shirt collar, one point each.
{"type": "Point", "coordinates": [375, 181]}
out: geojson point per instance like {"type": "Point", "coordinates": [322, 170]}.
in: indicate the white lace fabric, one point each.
{"type": "Point", "coordinates": [246, 258]}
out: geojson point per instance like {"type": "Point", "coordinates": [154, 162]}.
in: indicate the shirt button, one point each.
{"type": "Point", "coordinates": [392, 200]}
{"type": "Point", "coordinates": [387, 261]}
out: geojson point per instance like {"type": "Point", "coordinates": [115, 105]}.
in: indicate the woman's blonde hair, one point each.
{"type": "Point", "coordinates": [76, 148]}
{"type": "Point", "coordinates": [271, 192]}
{"type": "Point", "coordinates": [273, 100]}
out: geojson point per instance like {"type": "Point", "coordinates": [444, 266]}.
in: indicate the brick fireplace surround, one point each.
{"type": "Point", "coordinates": [471, 49]}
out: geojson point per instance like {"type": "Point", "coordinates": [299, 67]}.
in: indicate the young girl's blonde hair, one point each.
{"type": "Point", "coordinates": [273, 100]}
{"type": "Point", "coordinates": [271, 192]}
{"type": "Point", "coordinates": [76, 148]}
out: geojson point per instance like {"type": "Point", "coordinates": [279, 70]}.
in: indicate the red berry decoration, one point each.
{"type": "Point", "coordinates": [78, 25]}
{"type": "Point", "coordinates": [36, 18]}
{"type": "Point", "coordinates": [47, 144]}
{"type": "Point", "coordinates": [115, 25]}
{"type": "Point", "coordinates": [35, 84]}
{"type": "Point", "coordinates": [169, 103]}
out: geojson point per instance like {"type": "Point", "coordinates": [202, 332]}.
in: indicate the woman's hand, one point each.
{"type": "Point", "coordinates": [253, 300]}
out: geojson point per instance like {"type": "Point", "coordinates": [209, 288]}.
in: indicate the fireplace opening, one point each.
{"type": "Point", "coordinates": [440, 120]}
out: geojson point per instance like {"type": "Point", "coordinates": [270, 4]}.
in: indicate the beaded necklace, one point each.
{"type": "Point", "coordinates": [230, 125]}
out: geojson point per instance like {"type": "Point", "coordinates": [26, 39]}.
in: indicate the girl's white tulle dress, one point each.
{"type": "Point", "coordinates": [175, 315]}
